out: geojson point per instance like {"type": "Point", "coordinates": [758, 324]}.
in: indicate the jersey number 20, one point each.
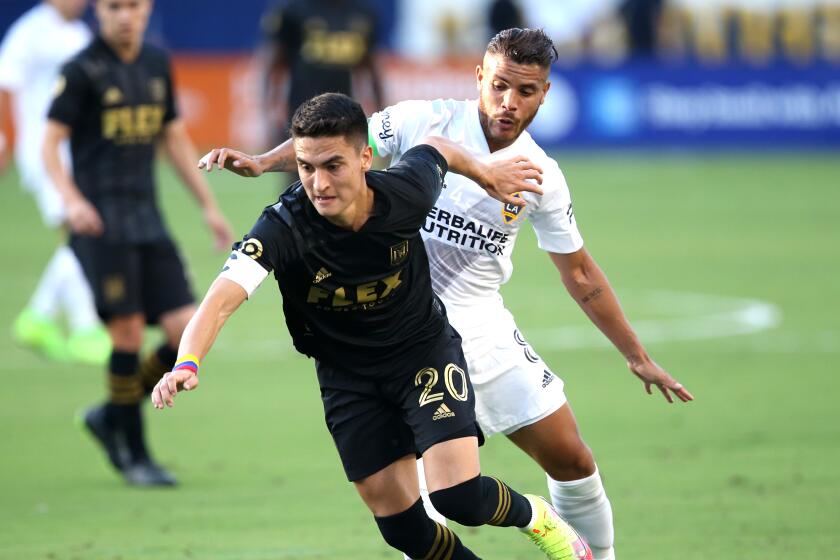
{"type": "Point", "coordinates": [429, 377]}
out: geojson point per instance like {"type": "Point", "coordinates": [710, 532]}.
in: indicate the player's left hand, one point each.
{"type": "Point", "coordinates": [222, 233]}
{"type": "Point", "coordinates": [166, 389]}
{"type": "Point", "coordinates": [503, 179]}
{"type": "Point", "coordinates": [652, 373]}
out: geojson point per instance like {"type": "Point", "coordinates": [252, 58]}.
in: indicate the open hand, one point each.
{"type": "Point", "coordinates": [232, 160]}
{"type": "Point", "coordinates": [652, 374]}
{"type": "Point", "coordinates": [503, 179]}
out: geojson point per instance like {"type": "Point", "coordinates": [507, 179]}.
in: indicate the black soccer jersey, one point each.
{"type": "Point", "coordinates": [116, 112]}
{"type": "Point", "coordinates": [323, 42]}
{"type": "Point", "coordinates": [362, 299]}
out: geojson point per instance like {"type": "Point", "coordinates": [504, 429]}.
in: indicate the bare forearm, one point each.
{"type": "Point", "coordinates": [281, 158]}
{"type": "Point", "coordinates": [591, 289]}
{"type": "Point", "coordinates": [55, 168]}
{"type": "Point", "coordinates": [182, 154]}
{"type": "Point", "coordinates": [222, 299]}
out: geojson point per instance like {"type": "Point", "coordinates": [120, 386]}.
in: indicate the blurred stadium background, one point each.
{"type": "Point", "coordinates": [700, 141]}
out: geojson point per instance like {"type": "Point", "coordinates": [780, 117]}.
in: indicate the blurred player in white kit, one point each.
{"type": "Point", "coordinates": [469, 238]}
{"type": "Point", "coordinates": [31, 55]}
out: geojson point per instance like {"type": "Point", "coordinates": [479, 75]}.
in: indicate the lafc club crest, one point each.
{"type": "Point", "coordinates": [510, 212]}
{"type": "Point", "coordinates": [112, 96]}
{"type": "Point", "coordinates": [399, 252]}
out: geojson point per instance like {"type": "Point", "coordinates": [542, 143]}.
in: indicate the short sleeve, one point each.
{"type": "Point", "coordinates": [258, 254]}
{"type": "Point", "coordinates": [13, 52]}
{"type": "Point", "coordinates": [71, 87]}
{"type": "Point", "coordinates": [554, 221]}
{"type": "Point", "coordinates": [395, 129]}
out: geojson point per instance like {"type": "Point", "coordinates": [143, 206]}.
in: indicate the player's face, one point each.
{"type": "Point", "coordinates": [510, 96]}
{"type": "Point", "coordinates": [70, 9]}
{"type": "Point", "coordinates": [332, 170]}
{"type": "Point", "coordinates": [123, 22]}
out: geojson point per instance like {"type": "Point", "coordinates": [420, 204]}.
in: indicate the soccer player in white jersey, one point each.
{"type": "Point", "coordinates": [31, 55]}
{"type": "Point", "coordinates": [469, 238]}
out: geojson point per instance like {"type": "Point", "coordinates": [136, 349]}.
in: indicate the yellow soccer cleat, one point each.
{"type": "Point", "coordinates": [552, 534]}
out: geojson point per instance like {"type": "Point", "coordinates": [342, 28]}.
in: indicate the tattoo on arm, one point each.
{"type": "Point", "coordinates": [592, 296]}
{"type": "Point", "coordinates": [282, 164]}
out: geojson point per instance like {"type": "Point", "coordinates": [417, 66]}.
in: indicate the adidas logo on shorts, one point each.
{"type": "Point", "coordinates": [443, 412]}
{"type": "Point", "coordinates": [548, 377]}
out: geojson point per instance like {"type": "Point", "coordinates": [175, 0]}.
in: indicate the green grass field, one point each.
{"type": "Point", "coordinates": [727, 264]}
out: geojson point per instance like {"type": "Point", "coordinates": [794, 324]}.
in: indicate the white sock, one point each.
{"type": "Point", "coordinates": [44, 301]}
{"type": "Point", "coordinates": [424, 493]}
{"type": "Point", "coordinates": [76, 296]}
{"type": "Point", "coordinates": [584, 504]}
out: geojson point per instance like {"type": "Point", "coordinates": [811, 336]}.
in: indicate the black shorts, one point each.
{"type": "Point", "coordinates": [376, 419]}
{"type": "Point", "coordinates": [128, 278]}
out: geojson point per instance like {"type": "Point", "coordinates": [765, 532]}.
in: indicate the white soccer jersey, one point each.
{"type": "Point", "coordinates": [469, 235]}
{"type": "Point", "coordinates": [31, 56]}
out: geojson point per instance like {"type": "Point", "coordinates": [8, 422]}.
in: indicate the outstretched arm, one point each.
{"type": "Point", "coordinates": [182, 153]}
{"type": "Point", "coordinates": [588, 285]}
{"type": "Point", "coordinates": [222, 299]}
{"type": "Point", "coordinates": [281, 158]}
{"type": "Point", "coordinates": [501, 179]}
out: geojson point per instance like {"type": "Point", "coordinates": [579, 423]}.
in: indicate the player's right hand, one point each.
{"type": "Point", "coordinates": [232, 160]}
{"type": "Point", "coordinates": [164, 392]}
{"type": "Point", "coordinates": [83, 219]}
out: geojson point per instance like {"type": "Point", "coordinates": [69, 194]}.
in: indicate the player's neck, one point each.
{"type": "Point", "coordinates": [126, 52]}
{"type": "Point", "coordinates": [357, 212]}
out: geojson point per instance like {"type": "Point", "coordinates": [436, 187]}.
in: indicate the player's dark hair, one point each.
{"type": "Point", "coordinates": [330, 114]}
{"type": "Point", "coordinates": [524, 46]}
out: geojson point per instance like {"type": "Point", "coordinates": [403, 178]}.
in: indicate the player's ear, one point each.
{"type": "Point", "coordinates": [479, 75]}
{"type": "Point", "coordinates": [546, 87]}
{"type": "Point", "coordinates": [367, 158]}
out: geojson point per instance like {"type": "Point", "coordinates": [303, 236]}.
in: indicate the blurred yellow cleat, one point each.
{"type": "Point", "coordinates": [552, 535]}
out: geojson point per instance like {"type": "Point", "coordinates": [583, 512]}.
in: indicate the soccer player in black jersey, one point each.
{"type": "Point", "coordinates": [318, 46]}
{"type": "Point", "coordinates": [115, 103]}
{"type": "Point", "coordinates": [345, 248]}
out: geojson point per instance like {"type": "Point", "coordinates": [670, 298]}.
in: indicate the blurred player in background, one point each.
{"type": "Point", "coordinates": [314, 47]}
{"type": "Point", "coordinates": [32, 52]}
{"type": "Point", "coordinates": [470, 237]}
{"type": "Point", "coordinates": [115, 103]}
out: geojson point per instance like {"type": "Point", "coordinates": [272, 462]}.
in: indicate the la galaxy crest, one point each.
{"type": "Point", "coordinates": [510, 212]}
{"type": "Point", "coordinates": [399, 253]}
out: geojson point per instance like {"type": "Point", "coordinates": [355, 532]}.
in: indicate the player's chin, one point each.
{"type": "Point", "coordinates": [505, 131]}
{"type": "Point", "coordinates": [325, 205]}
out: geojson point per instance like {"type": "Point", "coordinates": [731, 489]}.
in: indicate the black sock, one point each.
{"type": "Point", "coordinates": [155, 365]}
{"type": "Point", "coordinates": [414, 534]}
{"type": "Point", "coordinates": [483, 500]}
{"type": "Point", "coordinates": [123, 408]}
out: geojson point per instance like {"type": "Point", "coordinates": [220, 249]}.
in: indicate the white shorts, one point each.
{"type": "Point", "coordinates": [513, 386]}
{"type": "Point", "coordinates": [49, 202]}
